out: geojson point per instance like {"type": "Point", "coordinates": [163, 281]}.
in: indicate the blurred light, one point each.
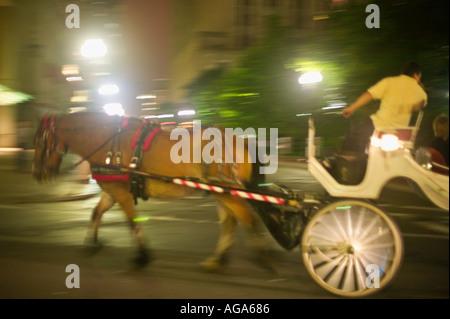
{"type": "Point", "coordinates": [80, 96]}
{"type": "Point", "coordinates": [70, 69]}
{"type": "Point", "coordinates": [186, 112]}
{"type": "Point", "coordinates": [101, 73]}
{"type": "Point", "coordinates": [108, 89]}
{"type": "Point", "coordinates": [143, 97]}
{"type": "Point", "coordinates": [93, 48]}
{"type": "Point", "coordinates": [186, 124]}
{"type": "Point", "coordinates": [149, 103]}
{"type": "Point", "coordinates": [77, 109]}
{"type": "Point", "coordinates": [161, 116]}
{"type": "Point", "coordinates": [335, 106]}
{"type": "Point", "coordinates": [310, 78]}
{"type": "Point", "coordinates": [321, 17]}
{"type": "Point", "coordinates": [79, 99]}
{"type": "Point", "coordinates": [389, 142]}
{"type": "Point", "coordinates": [304, 114]}
{"type": "Point", "coordinates": [74, 78]}
{"type": "Point", "coordinates": [375, 141]}
{"type": "Point", "coordinates": [9, 96]}
{"type": "Point", "coordinates": [113, 109]}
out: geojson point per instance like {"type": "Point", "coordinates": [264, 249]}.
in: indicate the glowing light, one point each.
{"type": "Point", "coordinates": [310, 78]}
{"type": "Point", "coordinates": [144, 97]}
{"type": "Point", "coordinates": [108, 89]}
{"type": "Point", "coordinates": [94, 48]}
{"type": "Point", "coordinates": [375, 141]}
{"type": "Point", "coordinates": [77, 109]}
{"type": "Point", "coordinates": [70, 69]}
{"type": "Point", "coordinates": [161, 116]}
{"type": "Point", "coordinates": [74, 78]}
{"type": "Point", "coordinates": [335, 106]}
{"type": "Point", "coordinates": [114, 109]}
{"type": "Point", "coordinates": [304, 114]}
{"type": "Point", "coordinates": [389, 142]}
{"type": "Point", "coordinates": [186, 112]}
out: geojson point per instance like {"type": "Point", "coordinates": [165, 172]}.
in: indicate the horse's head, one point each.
{"type": "Point", "coordinates": [48, 150]}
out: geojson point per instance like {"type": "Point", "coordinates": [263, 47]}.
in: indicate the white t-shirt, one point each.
{"type": "Point", "coordinates": [399, 96]}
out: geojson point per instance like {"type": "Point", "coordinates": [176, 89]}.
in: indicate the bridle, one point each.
{"type": "Point", "coordinates": [49, 127]}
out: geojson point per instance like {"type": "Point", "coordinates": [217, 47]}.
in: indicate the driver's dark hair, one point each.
{"type": "Point", "coordinates": [411, 68]}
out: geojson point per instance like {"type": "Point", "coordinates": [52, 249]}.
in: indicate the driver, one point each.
{"type": "Point", "coordinates": [400, 96]}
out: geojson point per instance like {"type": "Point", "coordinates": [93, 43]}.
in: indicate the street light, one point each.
{"type": "Point", "coordinates": [94, 48]}
{"type": "Point", "coordinates": [310, 78]}
{"type": "Point", "coordinates": [114, 109]}
{"type": "Point", "coordinates": [108, 89]}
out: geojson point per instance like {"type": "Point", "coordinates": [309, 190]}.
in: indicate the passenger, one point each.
{"type": "Point", "coordinates": [440, 141]}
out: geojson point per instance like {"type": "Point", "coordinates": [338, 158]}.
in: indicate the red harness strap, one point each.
{"type": "Point", "coordinates": [137, 134]}
{"type": "Point", "coordinates": [107, 177]}
{"type": "Point", "coordinates": [150, 137]}
{"type": "Point", "coordinates": [111, 178]}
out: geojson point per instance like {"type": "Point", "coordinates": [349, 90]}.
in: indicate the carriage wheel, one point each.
{"type": "Point", "coordinates": [352, 248]}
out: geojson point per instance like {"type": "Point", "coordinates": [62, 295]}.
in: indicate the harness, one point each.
{"type": "Point", "coordinates": [141, 143]}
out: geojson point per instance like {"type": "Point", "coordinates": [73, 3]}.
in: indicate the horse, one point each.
{"type": "Point", "coordinates": [106, 142]}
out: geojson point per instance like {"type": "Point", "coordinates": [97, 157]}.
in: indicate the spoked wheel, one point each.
{"type": "Point", "coordinates": [352, 248]}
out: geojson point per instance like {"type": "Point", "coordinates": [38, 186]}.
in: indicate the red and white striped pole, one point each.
{"type": "Point", "coordinates": [238, 193]}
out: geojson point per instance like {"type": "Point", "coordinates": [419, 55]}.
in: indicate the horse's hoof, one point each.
{"type": "Point", "coordinates": [143, 259]}
{"type": "Point", "coordinates": [212, 264]}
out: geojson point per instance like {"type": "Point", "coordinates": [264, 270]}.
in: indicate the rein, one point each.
{"type": "Point", "coordinates": [93, 152]}
{"type": "Point", "coordinates": [50, 124]}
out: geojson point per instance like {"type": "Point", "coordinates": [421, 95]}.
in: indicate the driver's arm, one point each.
{"type": "Point", "coordinates": [364, 98]}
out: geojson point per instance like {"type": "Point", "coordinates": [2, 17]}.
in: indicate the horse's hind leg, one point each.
{"type": "Point", "coordinates": [233, 210]}
{"type": "Point", "coordinates": [105, 203]}
{"type": "Point", "coordinates": [227, 226]}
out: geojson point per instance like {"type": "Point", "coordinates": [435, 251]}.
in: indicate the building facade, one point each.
{"type": "Point", "coordinates": [210, 33]}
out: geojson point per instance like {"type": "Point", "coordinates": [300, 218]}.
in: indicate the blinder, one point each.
{"type": "Point", "coordinates": [48, 131]}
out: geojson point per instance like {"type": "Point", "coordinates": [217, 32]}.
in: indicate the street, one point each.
{"type": "Point", "coordinates": [39, 240]}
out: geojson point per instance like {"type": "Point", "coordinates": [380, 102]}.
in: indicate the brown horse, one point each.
{"type": "Point", "coordinates": [106, 141]}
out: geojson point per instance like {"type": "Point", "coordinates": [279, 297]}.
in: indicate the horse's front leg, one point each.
{"type": "Point", "coordinates": [126, 202]}
{"type": "Point", "coordinates": [105, 203]}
